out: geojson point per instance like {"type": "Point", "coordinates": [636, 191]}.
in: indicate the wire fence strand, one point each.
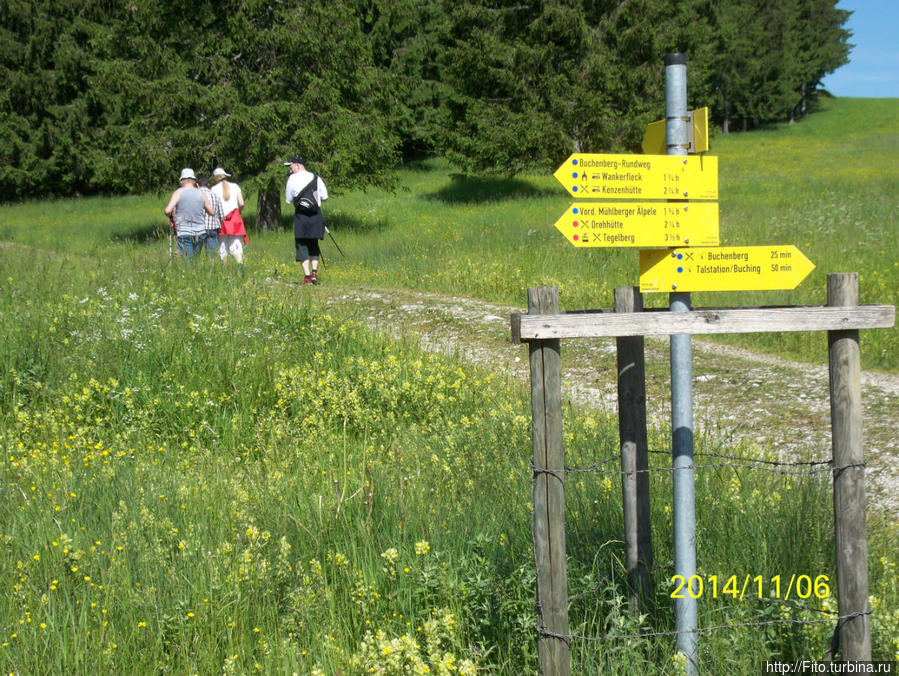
{"type": "Point", "coordinates": [807, 468]}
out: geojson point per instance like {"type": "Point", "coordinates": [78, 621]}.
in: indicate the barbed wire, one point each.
{"type": "Point", "coordinates": [787, 472]}
{"type": "Point", "coordinates": [806, 468]}
{"type": "Point", "coordinates": [743, 458]}
{"type": "Point", "coordinates": [567, 638]}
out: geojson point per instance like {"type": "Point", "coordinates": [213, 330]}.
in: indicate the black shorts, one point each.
{"type": "Point", "coordinates": [307, 248]}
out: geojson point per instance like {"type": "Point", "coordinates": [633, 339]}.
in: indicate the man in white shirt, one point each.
{"type": "Point", "coordinates": [306, 191]}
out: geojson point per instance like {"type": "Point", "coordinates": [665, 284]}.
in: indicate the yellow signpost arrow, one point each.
{"type": "Point", "coordinates": [612, 176]}
{"type": "Point", "coordinates": [741, 268]}
{"type": "Point", "coordinates": [640, 224]}
{"type": "Point", "coordinates": [654, 138]}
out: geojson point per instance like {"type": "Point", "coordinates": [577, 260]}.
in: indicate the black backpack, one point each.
{"type": "Point", "coordinates": [304, 202]}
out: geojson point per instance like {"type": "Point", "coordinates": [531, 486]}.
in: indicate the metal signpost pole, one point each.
{"type": "Point", "coordinates": [682, 392]}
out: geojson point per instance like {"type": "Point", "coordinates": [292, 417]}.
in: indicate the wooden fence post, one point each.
{"type": "Point", "coordinates": [634, 453]}
{"type": "Point", "coordinates": [848, 474]}
{"type": "Point", "coordinates": [549, 493]}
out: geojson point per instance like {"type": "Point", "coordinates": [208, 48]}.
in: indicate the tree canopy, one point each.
{"type": "Point", "coordinates": [110, 96]}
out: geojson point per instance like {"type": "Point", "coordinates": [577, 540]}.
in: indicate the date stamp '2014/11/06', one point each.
{"type": "Point", "coordinates": [758, 586]}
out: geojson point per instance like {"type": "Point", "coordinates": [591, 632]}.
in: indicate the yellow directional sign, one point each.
{"type": "Point", "coordinates": [700, 130]}
{"type": "Point", "coordinates": [654, 138]}
{"type": "Point", "coordinates": [698, 133]}
{"type": "Point", "coordinates": [611, 176]}
{"type": "Point", "coordinates": [640, 224]}
{"type": "Point", "coordinates": [742, 268]}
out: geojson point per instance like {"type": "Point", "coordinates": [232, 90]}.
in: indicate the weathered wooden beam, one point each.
{"type": "Point", "coordinates": [553, 652]}
{"type": "Point", "coordinates": [605, 323]}
{"type": "Point", "coordinates": [634, 454]}
{"type": "Point", "coordinates": [848, 476]}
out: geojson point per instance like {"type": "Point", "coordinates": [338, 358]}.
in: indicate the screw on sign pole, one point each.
{"type": "Point", "coordinates": [553, 652]}
{"type": "Point", "coordinates": [848, 475]}
{"type": "Point", "coordinates": [681, 349]}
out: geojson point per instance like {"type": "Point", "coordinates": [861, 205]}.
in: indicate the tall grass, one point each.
{"type": "Point", "coordinates": [206, 472]}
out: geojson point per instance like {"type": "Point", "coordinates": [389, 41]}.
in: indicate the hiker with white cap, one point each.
{"type": "Point", "coordinates": [188, 204]}
{"type": "Point", "coordinates": [306, 192]}
{"type": "Point", "coordinates": [233, 235]}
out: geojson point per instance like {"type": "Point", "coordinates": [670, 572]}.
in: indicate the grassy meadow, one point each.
{"type": "Point", "coordinates": [204, 471]}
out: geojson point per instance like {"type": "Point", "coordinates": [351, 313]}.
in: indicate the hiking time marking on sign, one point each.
{"type": "Point", "coordinates": [612, 176]}
{"type": "Point", "coordinates": [741, 268]}
{"type": "Point", "coordinates": [640, 224]}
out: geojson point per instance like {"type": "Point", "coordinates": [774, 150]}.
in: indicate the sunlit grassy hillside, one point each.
{"type": "Point", "coordinates": [203, 471]}
{"type": "Point", "coordinates": [827, 184]}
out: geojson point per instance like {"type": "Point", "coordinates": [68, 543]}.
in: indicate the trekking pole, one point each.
{"type": "Point", "coordinates": [335, 242]}
{"type": "Point", "coordinates": [171, 230]}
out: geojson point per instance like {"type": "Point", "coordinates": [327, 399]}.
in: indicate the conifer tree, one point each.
{"type": "Point", "coordinates": [117, 95]}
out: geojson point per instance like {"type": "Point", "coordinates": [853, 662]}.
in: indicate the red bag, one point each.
{"type": "Point", "coordinates": [234, 225]}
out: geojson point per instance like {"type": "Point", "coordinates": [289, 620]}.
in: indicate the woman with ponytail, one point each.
{"type": "Point", "coordinates": [233, 235]}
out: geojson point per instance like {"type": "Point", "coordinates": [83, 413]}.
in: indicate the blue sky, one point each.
{"type": "Point", "coordinates": [873, 68]}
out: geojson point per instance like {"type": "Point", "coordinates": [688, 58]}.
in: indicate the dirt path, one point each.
{"type": "Point", "coordinates": [740, 397]}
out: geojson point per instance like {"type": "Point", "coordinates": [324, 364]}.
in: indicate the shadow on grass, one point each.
{"type": "Point", "coordinates": [142, 234]}
{"type": "Point", "coordinates": [338, 222]}
{"type": "Point", "coordinates": [351, 223]}
{"type": "Point", "coordinates": [466, 189]}
{"type": "Point", "coordinates": [158, 230]}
